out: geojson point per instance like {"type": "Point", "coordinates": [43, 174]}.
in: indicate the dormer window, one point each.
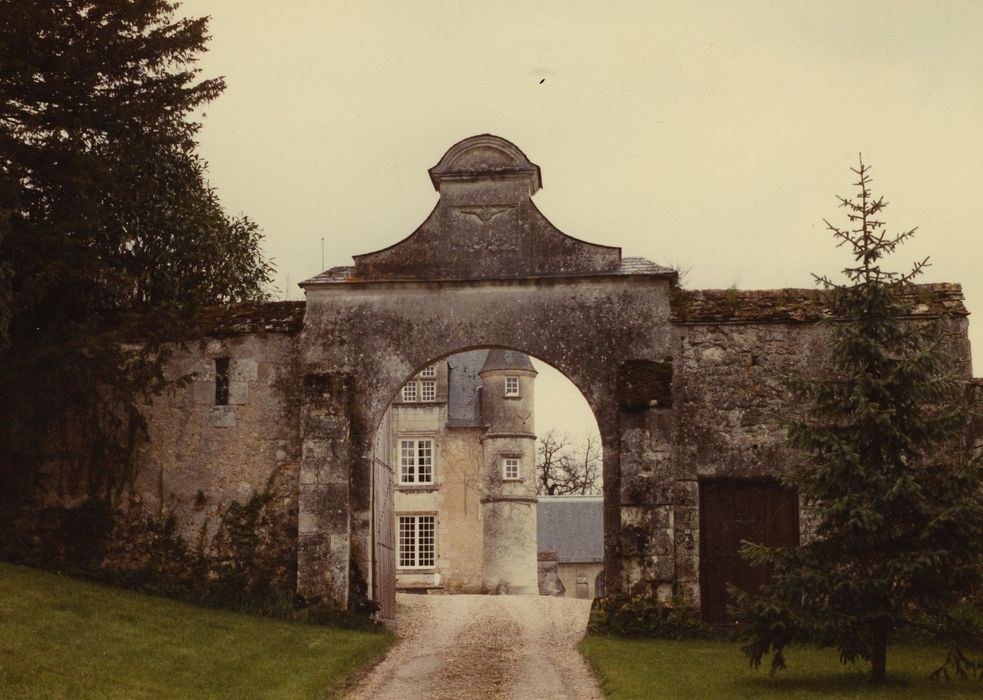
{"type": "Point", "coordinates": [409, 392]}
{"type": "Point", "coordinates": [511, 386]}
{"type": "Point", "coordinates": [419, 390]}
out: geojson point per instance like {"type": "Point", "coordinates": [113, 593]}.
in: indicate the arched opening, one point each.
{"type": "Point", "coordinates": [487, 476]}
{"type": "Point", "coordinates": [487, 269]}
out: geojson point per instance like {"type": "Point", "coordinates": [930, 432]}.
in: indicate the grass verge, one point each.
{"type": "Point", "coordinates": [633, 668]}
{"type": "Point", "coordinates": [65, 638]}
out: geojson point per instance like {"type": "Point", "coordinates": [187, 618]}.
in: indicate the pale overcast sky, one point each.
{"type": "Point", "coordinates": [712, 136]}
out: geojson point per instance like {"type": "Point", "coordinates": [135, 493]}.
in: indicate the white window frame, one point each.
{"type": "Point", "coordinates": [429, 372]}
{"type": "Point", "coordinates": [415, 453]}
{"type": "Point", "coordinates": [416, 541]}
{"type": "Point", "coordinates": [512, 386]}
{"type": "Point", "coordinates": [428, 390]}
{"type": "Point", "coordinates": [508, 465]}
{"type": "Point", "coordinates": [410, 393]}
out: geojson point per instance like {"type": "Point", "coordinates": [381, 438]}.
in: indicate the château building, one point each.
{"type": "Point", "coordinates": [459, 441]}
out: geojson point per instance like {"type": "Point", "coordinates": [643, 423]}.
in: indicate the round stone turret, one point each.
{"type": "Point", "coordinates": [509, 484]}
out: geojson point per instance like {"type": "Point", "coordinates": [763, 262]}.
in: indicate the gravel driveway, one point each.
{"type": "Point", "coordinates": [482, 646]}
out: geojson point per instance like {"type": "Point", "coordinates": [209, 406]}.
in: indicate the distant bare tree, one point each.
{"type": "Point", "coordinates": [563, 468]}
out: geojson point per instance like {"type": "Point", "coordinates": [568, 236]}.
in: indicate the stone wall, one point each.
{"type": "Point", "coordinates": [730, 351]}
{"type": "Point", "coordinates": [200, 456]}
{"type": "Point", "coordinates": [208, 507]}
{"type": "Point", "coordinates": [459, 536]}
{"type": "Point", "coordinates": [580, 578]}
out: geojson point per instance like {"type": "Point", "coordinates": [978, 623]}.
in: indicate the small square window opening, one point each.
{"type": "Point", "coordinates": [511, 386]}
{"type": "Point", "coordinates": [429, 372]}
{"type": "Point", "coordinates": [511, 468]}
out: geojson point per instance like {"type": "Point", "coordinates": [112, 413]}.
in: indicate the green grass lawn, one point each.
{"type": "Point", "coordinates": [629, 668]}
{"type": "Point", "coordinates": [64, 638]}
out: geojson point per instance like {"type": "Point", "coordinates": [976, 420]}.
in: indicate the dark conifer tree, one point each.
{"type": "Point", "coordinates": [104, 209]}
{"type": "Point", "coordinates": [887, 472]}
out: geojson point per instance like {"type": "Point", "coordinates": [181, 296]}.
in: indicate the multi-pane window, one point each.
{"type": "Point", "coordinates": [511, 386]}
{"type": "Point", "coordinates": [429, 372]}
{"type": "Point", "coordinates": [416, 542]}
{"type": "Point", "coordinates": [428, 390]}
{"type": "Point", "coordinates": [423, 390]}
{"type": "Point", "coordinates": [416, 461]}
{"type": "Point", "coordinates": [510, 468]}
{"type": "Point", "coordinates": [409, 391]}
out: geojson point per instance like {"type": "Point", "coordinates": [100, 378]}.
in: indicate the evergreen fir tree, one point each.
{"type": "Point", "coordinates": [888, 473]}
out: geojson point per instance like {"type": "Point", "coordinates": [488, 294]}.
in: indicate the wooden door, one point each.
{"type": "Point", "coordinates": [732, 511]}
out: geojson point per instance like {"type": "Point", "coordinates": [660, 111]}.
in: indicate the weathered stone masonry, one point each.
{"type": "Point", "coordinates": [683, 384]}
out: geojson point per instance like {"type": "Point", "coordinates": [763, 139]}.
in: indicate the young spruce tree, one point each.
{"type": "Point", "coordinates": [887, 473]}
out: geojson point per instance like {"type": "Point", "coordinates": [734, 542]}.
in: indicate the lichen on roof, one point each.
{"type": "Point", "coordinates": [218, 321]}
{"type": "Point", "coordinates": [798, 305]}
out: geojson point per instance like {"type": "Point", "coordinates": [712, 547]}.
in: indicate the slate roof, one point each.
{"type": "Point", "coordinates": [571, 526]}
{"type": "Point", "coordinates": [463, 397]}
{"type": "Point", "coordinates": [499, 358]}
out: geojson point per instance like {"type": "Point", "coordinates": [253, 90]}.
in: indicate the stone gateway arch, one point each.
{"type": "Point", "coordinates": [275, 405]}
{"type": "Point", "coordinates": [682, 383]}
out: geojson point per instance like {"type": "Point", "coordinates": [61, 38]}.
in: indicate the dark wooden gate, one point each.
{"type": "Point", "coordinates": [731, 511]}
{"type": "Point", "coordinates": [383, 538]}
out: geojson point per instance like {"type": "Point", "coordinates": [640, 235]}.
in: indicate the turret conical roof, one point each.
{"type": "Point", "coordinates": [499, 359]}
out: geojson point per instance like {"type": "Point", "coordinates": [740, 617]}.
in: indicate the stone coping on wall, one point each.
{"type": "Point", "coordinates": [234, 319]}
{"type": "Point", "coordinates": [626, 267]}
{"type": "Point", "coordinates": [699, 306]}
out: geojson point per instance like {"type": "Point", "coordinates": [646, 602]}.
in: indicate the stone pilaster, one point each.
{"type": "Point", "coordinates": [647, 532]}
{"type": "Point", "coordinates": [323, 522]}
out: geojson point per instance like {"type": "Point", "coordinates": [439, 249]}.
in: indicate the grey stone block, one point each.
{"type": "Point", "coordinates": [203, 393]}
{"type": "Point", "coordinates": [223, 416]}
{"type": "Point", "coordinates": [238, 393]}
{"type": "Point", "coordinates": [243, 370]}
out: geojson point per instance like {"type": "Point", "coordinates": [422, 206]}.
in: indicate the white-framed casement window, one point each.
{"type": "Point", "coordinates": [428, 390]}
{"type": "Point", "coordinates": [510, 468]}
{"type": "Point", "coordinates": [409, 392]}
{"type": "Point", "coordinates": [416, 461]}
{"type": "Point", "coordinates": [511, 386]}
{"type": "Point", "coordinates": [415, 391]}
{"type": "Point", "coordinates": [417, 541]}
{"type": "Point", "coordinates": [429, 372]}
